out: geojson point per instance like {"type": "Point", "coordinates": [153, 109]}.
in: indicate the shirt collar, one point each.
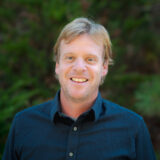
{"type": "Point", "coordinates": [96, 107]}
{"type": "Point", "coordinates": [55, 105]}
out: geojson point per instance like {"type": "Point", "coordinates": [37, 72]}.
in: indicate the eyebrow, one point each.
{"type": "Point", "coordinates": [68, 53]}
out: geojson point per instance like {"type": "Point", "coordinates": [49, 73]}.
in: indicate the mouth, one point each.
{"type": "Point", "coordinates": [79, 80]}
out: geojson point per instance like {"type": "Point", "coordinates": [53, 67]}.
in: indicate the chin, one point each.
{"type": "Point", "coordinates": [75, 95]}
{"type": "Point", "coordinates": [78, 99]}
{"type": "Point", "coordinates": [78, 96]}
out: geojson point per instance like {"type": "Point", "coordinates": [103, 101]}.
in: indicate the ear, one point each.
{"type": "Point", "coordinates": [105, 68]}
{"type": "Point", "coordinates": [57, 68]}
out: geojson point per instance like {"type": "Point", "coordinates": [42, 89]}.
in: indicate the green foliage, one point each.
{"type": "Point", "coordinates": [148, 97]}
{"type": "Point", "coordinates": [13, 99]}
{"type": "Point", "coordinates": [158, 156]}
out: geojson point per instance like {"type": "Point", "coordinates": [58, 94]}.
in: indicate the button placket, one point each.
{"type": "Point", "coordinates": [70, 154]}
{"type": "Point", "coordinates": [73, 141]}
{"type": "Point", "coordinates": [75, 128]}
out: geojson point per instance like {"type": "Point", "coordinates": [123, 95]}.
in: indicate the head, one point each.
{"type": "Point", "coordinates": [81, 26]}
{"type": "Point", "coordinates": [82, 55]}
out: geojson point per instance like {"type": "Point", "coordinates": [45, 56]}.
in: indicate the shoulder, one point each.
{"type": "Point", "coordinates": [40, 110]}
{"type": "Point", "coordinates": [121, 114]}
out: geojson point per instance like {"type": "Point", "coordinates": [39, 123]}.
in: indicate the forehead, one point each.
{"type": "Point", "coordinates": [82, 43]}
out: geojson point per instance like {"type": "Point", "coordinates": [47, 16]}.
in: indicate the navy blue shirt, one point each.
{"type": "Point", "coordinates": [105, 132]}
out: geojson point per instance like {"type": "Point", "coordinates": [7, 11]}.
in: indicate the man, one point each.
{"type": "Point", "coordinates": [78, 123]}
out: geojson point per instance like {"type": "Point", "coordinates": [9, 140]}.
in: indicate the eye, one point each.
{"type": "Point", "coordinates": [69, 58]}
{"type": "Point", "coordinates": [91, 60]}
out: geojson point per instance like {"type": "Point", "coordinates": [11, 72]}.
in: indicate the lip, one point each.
{"type": "Point", "coordinates": [79, 79]}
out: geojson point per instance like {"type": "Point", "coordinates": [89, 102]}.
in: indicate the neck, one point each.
{"type": "Point", "coordinates": [75, 108]}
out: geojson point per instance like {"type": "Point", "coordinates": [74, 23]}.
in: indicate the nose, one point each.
{"type": "Point", "coordinates": [79, 65]}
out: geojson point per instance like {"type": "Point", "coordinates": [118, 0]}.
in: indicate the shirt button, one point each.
{"type": "Point", "coordinates": [70, 154]}
{"type": "Point", "coordinates": [75, 128]}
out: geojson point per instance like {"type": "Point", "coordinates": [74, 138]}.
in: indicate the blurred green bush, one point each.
{"type": "Point", "coordinates": [148, 97]}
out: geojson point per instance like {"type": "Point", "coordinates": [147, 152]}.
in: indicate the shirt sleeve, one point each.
{"type": "Point", "coordinates": [144, 148]}
{"type": "Point", "coordinates": [10, 151]}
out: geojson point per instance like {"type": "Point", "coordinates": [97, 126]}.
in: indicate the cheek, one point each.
{"type": "Point", "coordinates": [95, 72]}
{"type": "Point", "coordinates": [64, 70]}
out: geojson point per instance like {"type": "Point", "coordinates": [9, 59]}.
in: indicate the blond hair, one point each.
{"type": "Point", "coordinates": [81, 26]}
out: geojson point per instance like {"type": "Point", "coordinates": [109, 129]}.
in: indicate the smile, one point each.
{"type": "Point", "coordinates": [80, 80]}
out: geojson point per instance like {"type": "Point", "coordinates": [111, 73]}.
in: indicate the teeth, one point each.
{"type": "Point", "coordinates": [79, 79]}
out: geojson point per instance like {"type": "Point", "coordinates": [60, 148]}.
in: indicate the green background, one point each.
{"type": "Point", "coordinates": [28, 32]}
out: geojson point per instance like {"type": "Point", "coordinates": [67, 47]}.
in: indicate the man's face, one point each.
{"type": "Point", "coordinates": [80, 68]}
